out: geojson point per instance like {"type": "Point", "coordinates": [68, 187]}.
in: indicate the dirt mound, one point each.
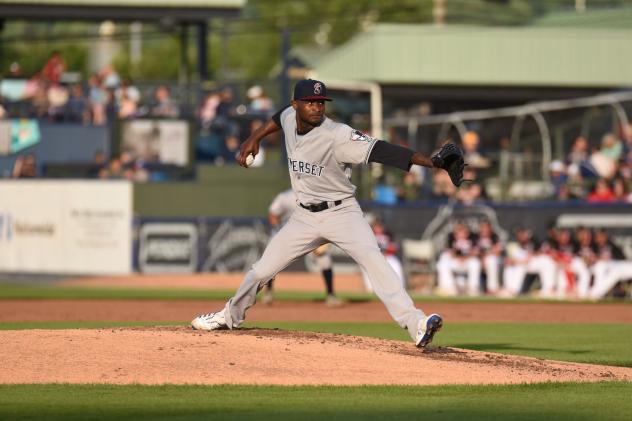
{"type": "Point", "coordinates": [178, 355]}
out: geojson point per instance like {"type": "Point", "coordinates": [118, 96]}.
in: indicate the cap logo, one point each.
{"type": "Point", "coordinates": [318, 88]}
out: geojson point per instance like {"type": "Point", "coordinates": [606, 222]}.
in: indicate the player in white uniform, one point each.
{"type": "Point", "coordinates": [320, 153]}
{"type": "Point", "coordinates": [279, 213]}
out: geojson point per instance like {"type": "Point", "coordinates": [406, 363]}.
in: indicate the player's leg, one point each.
{"type": "Point", "coordinates": [268, 295]}
{"type": "Point", "coordinates": [324, 262]}
{"type": "Point", "coordinates": [619, 270]}
{"type": "Point", "coordinates": [546, 269]}
{"type": "Point", "coordinates": [492, 267]}
{"type": "Point", "coordinates": [513, 278]}
{"type": "Point", "coordinates": [445, 274]}
{"type": "Point", "coordinates": [349, 230]}
{"type": "Point", "coordinates": [297, 237]}
{"type": "Point", "coordinates": [473, 265]}
{"type": "Point", "coordinates": [397, 267]}
{"type": "Point", "coordinates": [582, 273]}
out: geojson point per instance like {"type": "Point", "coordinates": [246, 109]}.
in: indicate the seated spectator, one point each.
{"type": "Point", "coordinates": [110, 77]}
{"type": "Point", "coordinates": [601, 193]}
{"type": "Point", "coordinates": [25, 166]}
{"type": "Point", "coordinates": [579, 152]}
{"type": "Point", "coordinates": [98, 101]}
{"type": "Point", "coordinates": [621, 191]}
{"type": "Point", "coordinates": [409, 188]}
{"type": "Point", "coordinates": [259, 102]}
{"type": "Point", "coordinates": [383, 193]}
{"type": "Point", "coordinates": [54, 68]}
{"type": "Point", "coordinates": [127, 106]}
{"type": "Point", "coordinates": [470, 192]}
{"type": "Point", "coordinates": [231, 149]}
{"type": "Point", "coordinates": [208, 110]}
{"type": "Point", "coordinates": [459, 257]}
{"type": "Point", "coordinates": [164, 106]}
{"type": "Point", "coordinates": [113, 171]}
{"type": "Point", "coordinates": [471, 152]}
{"type": "Point", "coordinates": [127, 99]}
{"type": "Point", "coordinates": [611, 147]}
{"type": "Point", "coordinates": [559, 178]}
{"type": "Point", "coordinates": [442, 186]}
{"type": "Point", "coordinates": [77, 109]}
{"type": "Point", "coordinates": [57, 96]}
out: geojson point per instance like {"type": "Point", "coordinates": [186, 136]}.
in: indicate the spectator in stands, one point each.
{"type": "Point", "coordinates": [409, 188]}
{"type": "Point", "coordinates": [621, 191]}
{"type": "Point", "coordinates": [57, 96]}
{"type": "Point", "coordinates": [113, 171]}
{"type": "Point", "coordinates": [127, 99]}
{"type": "Point", "coordinates": [489, 249]}
{"type": "Point", "coordinates": [208, 110]}
{"type": "Point", "coordinates": [15, 71]}
{"type": "Point", "coordinates": [77, 107]}
{"type": "Point", "coordinates": [25, 166]}
{"type": "Point", "coordinates": [442, 186]}
{"type": "Point", "coordinates": [110, 77]}
{"type": "Point", "coordinates": [470, 192]}
{"type": "Point", "coordinates": [611, 147]}
{"type": "Point", "coordinates": [226, 107]}
{"type": "Point", "coordinates": [601, 193]}
{"type": "Point", "coordinates": [54, 68]}
{"type": "Point", "coordinates": [459, 257]}
{"type": "Point", "coordinates": [471, 151]}
{"type": "Point", "coordinates": [260, 103]}
{"type": "Point", "coordinates": [98, 164]}
{"type": "Point", "coordinates": [127, 106]}
{"type": "Point", "coordinates": [526, 256]}
{"type": "Point", "coordinates": [611, 266]}
{"type": "Point", "coordinates": [98, 100]}
{"type": "Point", "coordinates": [231, 149]}
{"type": "Point", "coordinates": [164, 106]}
{"type": "Point", "coordinates": [559, 178]}
{"type": "Point", "coordinates": [579, 153]}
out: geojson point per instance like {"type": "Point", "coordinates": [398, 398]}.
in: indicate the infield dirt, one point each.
{"type": "Point", "coordinates": [179, 355]}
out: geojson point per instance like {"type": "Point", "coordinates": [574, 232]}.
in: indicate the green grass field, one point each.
{"type": "Point", "coordinates": [592, 343]}
{"type": "Point", "coordinates": [570, 401]}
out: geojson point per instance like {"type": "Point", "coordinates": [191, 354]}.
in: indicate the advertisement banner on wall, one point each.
{"type": "Point", "coordinates": [168, 247]}
{"type": "Point", "coordinates": [66, 227]}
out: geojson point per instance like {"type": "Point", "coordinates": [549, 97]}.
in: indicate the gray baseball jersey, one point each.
{"type": "Point", "coordinates": [319, 164]}
{"type": "Point", "coordinates": [282, 206]}
{"type": "Point", "coordinates": [320, 161]}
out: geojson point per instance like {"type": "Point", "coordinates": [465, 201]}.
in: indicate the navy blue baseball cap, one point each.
{"type": "Point", "coordinates": [310, 90]}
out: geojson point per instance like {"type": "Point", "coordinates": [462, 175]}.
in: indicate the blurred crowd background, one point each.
{"type": "Point", "coordinates": [169, 100]}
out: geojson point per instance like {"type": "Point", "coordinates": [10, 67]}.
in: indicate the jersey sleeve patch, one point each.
{"type": "Point", "coordinates": [357, 135]}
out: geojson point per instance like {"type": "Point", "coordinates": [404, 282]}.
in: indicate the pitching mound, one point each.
{"type": "Point", "coordinates": [178, 355]}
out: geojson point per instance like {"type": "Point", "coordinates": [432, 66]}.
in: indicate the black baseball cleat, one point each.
{"type": "Point", "coordinates": [427, 328]}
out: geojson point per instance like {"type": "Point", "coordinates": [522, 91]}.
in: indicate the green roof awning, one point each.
{"type": "Point", "coordinates": [484, 56]}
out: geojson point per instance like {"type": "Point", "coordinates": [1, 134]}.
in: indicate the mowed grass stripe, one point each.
{"type": "Point", "coordinates": [51, 291]}
{"type": "Point", "coordinates": [565, 401]}
{"type": "Point", "coordinates": [607, 344]}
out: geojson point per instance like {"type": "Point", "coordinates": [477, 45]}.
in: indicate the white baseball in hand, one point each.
{"type": "Point", "coordinates": [250, 159]}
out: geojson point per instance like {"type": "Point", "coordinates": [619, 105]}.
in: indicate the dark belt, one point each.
{"type": "Point", "coordinates": [320, 206]}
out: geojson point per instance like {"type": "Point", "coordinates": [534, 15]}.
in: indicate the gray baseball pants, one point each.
{"type": "Point", "coordinates": [345, 226]}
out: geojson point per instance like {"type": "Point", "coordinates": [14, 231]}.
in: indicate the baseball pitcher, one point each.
{"type": "Point", "coordinates": [320, 153]}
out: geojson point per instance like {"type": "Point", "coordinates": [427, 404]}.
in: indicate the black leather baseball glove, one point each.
{"type": "Point", "coordinates": [450, 158]}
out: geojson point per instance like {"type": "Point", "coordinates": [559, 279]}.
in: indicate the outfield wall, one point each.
{"type": "Point", "coordinates": [70, 227]}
